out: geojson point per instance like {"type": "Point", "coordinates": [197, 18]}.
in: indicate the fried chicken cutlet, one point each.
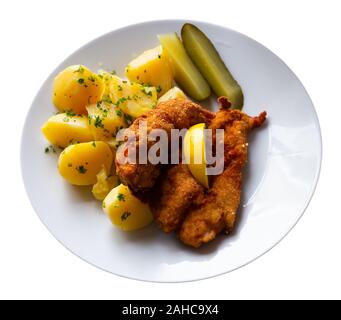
{"type": "Point", "coordinates": [202, 215]}
{"type": "Point", "coordinates": [175, 192]}
{"type": "Point", "coordinates": [172, 114]}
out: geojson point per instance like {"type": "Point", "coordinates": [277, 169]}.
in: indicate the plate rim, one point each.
{"type": "Point", "coordinates": [163, 21]}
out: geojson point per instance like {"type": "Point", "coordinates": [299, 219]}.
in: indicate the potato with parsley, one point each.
{"type": "Point", "coordinates": [67, 128]}
{"type": "Point", "coordinates": [105, 120]}
{"type": "Point", "coordinates": [138, 100]}
{"type": "Point", "coordinates": [153, 68]}
{"type": "Point", "coordinates": [80, 163]}
{"type": "Point", "coordinates": [104, 184]}
{"type": "Point", "coordinates": [76, 87]}
{"type": "Point", "coordinates": [174, 93]}
{"type": "Point", "coordinates": [126, 211]}
{"type": "Point", "coordinates": [132, 98]}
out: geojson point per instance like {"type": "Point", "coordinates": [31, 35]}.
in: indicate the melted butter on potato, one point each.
{"type": "Point", "coordinates": [76, 87]}
{"type": "Point", "coordinates": [125, 210]}
{"type": "Point", "coordinates": [79, 164]}
{"type": "Point", "coordinates": [66, 128]}
{"type": "Point", "coordinates": [153, 68]}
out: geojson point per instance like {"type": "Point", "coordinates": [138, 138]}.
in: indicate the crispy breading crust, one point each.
{"type": "Point", "coordinates": [218, 210]}
{"type": "Point", "coordinates": [173, 114]}
{"type": "Point", "coordinates": [174, 193]}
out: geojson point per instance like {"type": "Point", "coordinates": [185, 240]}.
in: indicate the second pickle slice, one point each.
{"type": "Point", "coordinates": [207, 59]}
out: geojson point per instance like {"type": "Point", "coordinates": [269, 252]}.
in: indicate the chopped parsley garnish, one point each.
{"type": "Point", "coordinates": [113, 72]}
{"type": "Point", "coordinates": [70, 113]}
{"type": "Point", "coordinates": [121, 100]}
{"type": "Point", "coordinates": [120, 88]}
{"type": "Point", "coordinates": [159, 56]}
{"type": "Point", "coordinates": [80, 81]}
{"type": "Point", "coordinates": [125, 215]}
{"type": "Point", "coordinates": [50, 149]}
{"type": "Point", "coordinates": [107, 99]}
{"type": "Point", "coordinates": [125, 81]}
{"type": "Point", "coordinates": [94, 144]}
{"type": "Point", "coordinates": [128, 118]}
{"type": "Point", "coordinates": [120, 197]}
{"type": "Point", "coordinates": [81, 169]}
{"type": "Point", "coordinates": [118, 112]}
{"type": "Point", "coordinates": [92, 78]}
{"type": "Point", "coordinates": [148, 93]}
{"type": "Point", "coordinates": [158, 89]}
{"type": "Point", "coordinates": [80, 69]}
{"type": "Point", "coordinates": [98, 122]}
{"type": "Point", "coordinates": [66, 119]}
{"type": "Point", "coordinates": [103, 204]}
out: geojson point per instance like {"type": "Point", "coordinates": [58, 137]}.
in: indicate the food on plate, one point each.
{"type": "Point", "coordinates": [80, 163]}
{"type": "Point", "coordinates": [125, 210]}
{"type": "Point", "coordinates": [195, 154]}
{"type": "Point", "coordinates": [132, 98]}
{"type": "Point", "coordinates": [67, 128]}
{"type": "Point", "coordinates": [180, 195]}
{"type": "Point", "coordinates": [172, 114]}
{"type": "Point", "coordinates": [174, 93]}
{"type": "Point", "coordinates": [105, 120]}
{"type": "Point", "coordinates": [175, 191]}
{"type": "Point", "coordinates": [76, 87]}
{"type": "Point", "coordinates": [218, 209]}
{"type": "Point", "coordinates": [151, 68]}
{"type": "Point", "coordinates": [104, 184]}
{"type": "Point", "coordinates": [207, 59]}
{"type": "Point", "coordinates": [204, 214]}
{"type": "Point", "coordinates": [186, 73]}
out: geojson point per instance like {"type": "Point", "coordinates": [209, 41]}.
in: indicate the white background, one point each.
{"type": "Point", "coordinates": [35, 36]}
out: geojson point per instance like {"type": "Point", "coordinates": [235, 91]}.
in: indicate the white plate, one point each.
{"type": "Point", "coordinates": [282, 172]}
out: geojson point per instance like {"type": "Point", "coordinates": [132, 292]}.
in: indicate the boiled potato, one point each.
{"type": "Point", "coordinates": [132, 98]}
{"type": "Point", "coordinates": [153, 68]}
{"type": "Point", "coordinates": [174, 93]}
{"type": "Point", "coordinates": [104, 184]}
{"type": "Point", "coordinates": [76, 87]}
{"type": "Point", "coordinates": [140, 100]}
{"type": "Point", "coordinates": [66, 128]}
{"type": "Point", "coordinates": [195, 153]}
{"type": "Point", "coordinates": [105, 120]}
{"type": "Point", "coordinates": [112, 85]}
{"type": "Point", "coordinates": [80, 163]}
{"type": "Point", "coordinates": [125, 210]}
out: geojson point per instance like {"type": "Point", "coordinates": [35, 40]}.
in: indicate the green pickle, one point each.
{"type": "Point", "coordinates": [207, 59]}
{"type": "Point", "coordinates": [186, 73]}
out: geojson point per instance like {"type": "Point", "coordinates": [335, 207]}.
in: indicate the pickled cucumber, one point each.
{"type": "Point", "coordinates": [207, 59]}
{"type": "Point", "coordinates": [186, 73]}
